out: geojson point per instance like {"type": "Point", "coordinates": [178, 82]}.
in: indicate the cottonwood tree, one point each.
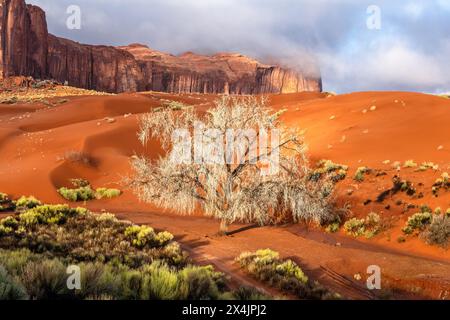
{"type": "Point", "coordinates": [261, 171]}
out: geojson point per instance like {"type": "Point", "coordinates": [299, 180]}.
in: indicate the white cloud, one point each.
{"type": "Point", "coordinates": [410, 52]}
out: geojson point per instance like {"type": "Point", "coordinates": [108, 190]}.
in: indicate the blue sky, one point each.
{"type": "Point", "coordinates": [410, 52]}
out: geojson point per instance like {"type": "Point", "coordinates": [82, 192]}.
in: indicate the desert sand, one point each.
{"type": "Point", "coordinates": [372, 129]}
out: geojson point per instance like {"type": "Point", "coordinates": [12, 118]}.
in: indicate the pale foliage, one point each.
{"type": "Point", "coordinates": [231, 192]}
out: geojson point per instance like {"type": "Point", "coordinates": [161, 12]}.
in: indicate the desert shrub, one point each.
{"type": "Point", "coordinates": [49, 214]}
{"type": "Point", "coordinates": [336, 171]}
{"type": "Point", "coordinates": [409, 164]}
{"type": "Point", "coordinates": [162, 283]}
{"type": "Point", "coordinates": [355, 227]}
{"type": "Point", "coordinates": [248, 294]}
{"type": "Point", "coordinates": [334, 225]}
{"type": "Point", "coordinates": [27, 202]}
{"type": "Point", "coordinates": [82, 236]}
{"type": "Point", "coordinates": [368, 227]}
{"type": "Point", "coordinates": [44, 240]}
{"type": "Point", "coordinates": [9, 288]}
{"type": "Point", "coordinates": [360, 172]}
{"type": "Point", "coordinates": [45, 280]}
{"type": "Point", "coordinates": [78, 194]}
{"type": "Point", "coordinates": [78, 156]}
{"type": "Point", "coordinates": [3, 197]}
{"type": "Point", "coordinates": [438, 232]}
{"type": "Point", "coordinates": [141, 236]}
{"type": "Point", "coordinates": [79, 182]}
{"type": "Point", "coordinates": [427, 165]}
{"type": "Point", "coordinates": [418, 221]}
{"type": "Point", "coordinates": [266, 265]}
{"type": "Point", "coordinates": [201, 283]}
{"type": "Point", "coordinates": [14, 261]}
{"type": "Point", "coordinates": [107, 193]}
{"type": "Point", "coordinates": [84, 192]}
{"type": "Point", "coordinates": [442, 183]}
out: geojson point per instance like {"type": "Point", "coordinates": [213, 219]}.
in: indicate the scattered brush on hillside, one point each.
{"type": "Point", "coordinates": [428, 165]}
{"type": "Point", "coordinates": [399, 185]}
{"type": "Point", "coordinates": [267, 266]}
{"type": "Point", "coordinates": [434, 228]}
{"type": "Point", "coordinates": [117, 260]}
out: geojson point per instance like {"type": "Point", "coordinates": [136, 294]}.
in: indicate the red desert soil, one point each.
{"type": "Point", "coordinates": [359, 129]}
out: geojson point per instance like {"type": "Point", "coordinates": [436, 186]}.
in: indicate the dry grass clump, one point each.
{"type": "Point", "coordinates": [267, 266]}
{"type": "Point", "coordinates": [79, 157]}
{"type": "Point", "coordinates": [438, 232]}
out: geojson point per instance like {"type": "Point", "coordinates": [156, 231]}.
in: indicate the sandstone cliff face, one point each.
{"type": "Point", "coordinates": [27, 49]}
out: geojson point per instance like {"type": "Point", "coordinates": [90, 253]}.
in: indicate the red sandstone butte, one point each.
{"type": "Point", "coordinates": [27, 49]}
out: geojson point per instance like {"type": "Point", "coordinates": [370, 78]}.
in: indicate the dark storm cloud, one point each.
{"type": "Point", "coordinates": [409, 52]}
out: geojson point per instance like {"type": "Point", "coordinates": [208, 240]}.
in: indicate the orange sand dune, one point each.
{"type": "Point", "coordinates": [359, 129]}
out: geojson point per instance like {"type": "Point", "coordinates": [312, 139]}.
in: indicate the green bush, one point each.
{"type": "Point", "coordinates": [141, 236]}
{"type": "Point", "coordinates": [199, 283]}
{"type": "Point", "coordinates": [368, 227]}
{"type": "Point", "coordinates": [117, 260]}
{"type": "Point", "coordinates": [27, 202]}
{"type": "Point", "coordinates": [442, 183]}
{"type": "Point", "coordinates": [360, 172]}
{"type": "Point", "coordinates": [85, 192]}
{"type": "Point", "coordinates": [49, 214]}
{"type": "Point", "coordinates": [45, 279]}
{"type": "Point", "coordinates": [336, 171]}
{"type": "Point", "coordinates": [418, 221]}
{"type": "Point", "coordinates": [3, 197]}
{"type": "Point", "coordinates": [78, 194]}
{"type": "Point", "coordinates": [9, 288]}
{"type": "Point", "coordinates": [107, 193]}
{"type": "Point", "coordinates": [266, 265]}
{"type": "Point", "coordinates": [438, 232]}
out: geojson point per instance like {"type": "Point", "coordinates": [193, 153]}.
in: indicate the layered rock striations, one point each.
{"type": "Point", "coordinates": [27, 49]}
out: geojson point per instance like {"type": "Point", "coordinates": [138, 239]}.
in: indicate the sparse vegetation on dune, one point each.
{"type": "Point", "coordinates": [434, 228]}
{"type": "Point", "coordinates": [267, 266]}
{"type": "Point", "coordinates": [117, 260]}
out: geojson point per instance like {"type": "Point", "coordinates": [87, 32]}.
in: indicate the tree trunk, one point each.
{"type": "Point", "coordinates": [223, 230]}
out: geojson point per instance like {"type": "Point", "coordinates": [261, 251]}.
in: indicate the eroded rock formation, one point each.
{"type": "Point", "coordinates": [28, 49]}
